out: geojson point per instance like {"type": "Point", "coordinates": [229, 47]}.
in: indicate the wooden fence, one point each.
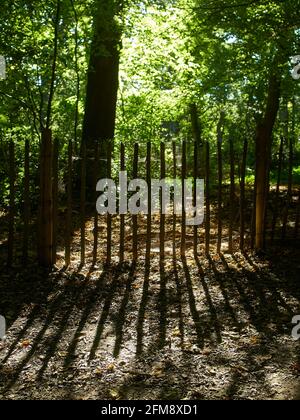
{"type": "Point", "coordinates": [229, 224]}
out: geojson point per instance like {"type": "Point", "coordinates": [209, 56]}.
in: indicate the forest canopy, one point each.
{"type": "Point", "coordinates": [147, 70]}
{"type": "Point", "coordinates": [217, 54]}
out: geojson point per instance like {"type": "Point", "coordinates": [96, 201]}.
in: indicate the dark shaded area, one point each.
{"type": "Point", "coordinates": [163, 322]}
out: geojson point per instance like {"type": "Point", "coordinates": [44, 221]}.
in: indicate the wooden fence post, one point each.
{"type": "Point", "coordinates": [243, 196]}
{"type": "Point", "coordinates": [109, 216]}
{"type": "Point", "coordinates": [135, 217]}
{"type": "Point", "coordinates": [55, 197]}
{"type": "Point", "coordinates": [69, 206]}
{"type": "Point", "coordinates": [11, 216]}
{"type": "Point", "coordinates": [83, 203]}
{"type": "Point", "coordinates": [122, 217]}
{"type": "Point", "coordinates": [253, 217]}
{"type": "Point", "coordinates": [195, 175]}
{"type": "Point", "coordinates": [275, 214]}
{"type": "Point", "coordinates": [232, 195]}
{"type": "Point", "coordinates": [183, 221]}
{"type": "Point", "coordinates": [26, 202]}
{"type": "Point", "coordinates": [297, 219]}
{"type": "Point", "coordinates": [207, 216]}
{"type": "Point", "coordinates": [46, 204]}
{"type": "Point", "coordinates": [220, 182]}
{"type": "Point", "coordinates": [96, 217]}
{"type": "Point", "coordinates": [162, 210]}
{"type": "Point", "coordinates": [290, 189]}
{"type": "Point", "coordinates": [174, 209]}
{"type": "Point", "coordinates": [149, 217]}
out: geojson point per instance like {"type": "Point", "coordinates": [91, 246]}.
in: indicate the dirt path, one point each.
{"type": "Point", "coordinates": [196, 329]}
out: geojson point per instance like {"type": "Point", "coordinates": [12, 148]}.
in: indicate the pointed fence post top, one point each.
{"type": "Point", "coordinates": [2, 68]}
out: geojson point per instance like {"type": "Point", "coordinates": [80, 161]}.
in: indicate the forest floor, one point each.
{"type": "Point", "coordinates": [193, 328]}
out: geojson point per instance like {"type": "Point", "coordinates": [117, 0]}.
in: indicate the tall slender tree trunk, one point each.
{"type": "Point", "coordinates": [46, 226]}
{"type": "Point", "coordinates": [77, 71]}
{"type": "Point", "coordinates": [102, 83]}
{"type": "Point", "coordinates": [263, 154]}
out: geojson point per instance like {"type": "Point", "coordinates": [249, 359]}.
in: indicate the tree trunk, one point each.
{"type": "Point", "coordinates": [54, 65]}
{"type": "Point", "coordinates": [263, 154]}
{"type": "Point", "coordinates": [46, 232]}
{"type": "Point", "coordinates": [102, 83]}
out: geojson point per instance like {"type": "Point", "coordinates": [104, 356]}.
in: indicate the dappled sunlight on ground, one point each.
{"type": "Point", "coordinates": [183, 328]}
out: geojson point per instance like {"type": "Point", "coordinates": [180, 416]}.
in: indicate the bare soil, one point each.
{"type": "Point", "coordinates": [193, 328]}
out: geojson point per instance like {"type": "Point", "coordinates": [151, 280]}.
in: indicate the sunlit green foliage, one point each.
{"type": "Point", "coordinates": [215, 54]}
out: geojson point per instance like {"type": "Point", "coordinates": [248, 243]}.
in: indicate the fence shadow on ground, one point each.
{"type": "Point", "coordinates": [56, 320]}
